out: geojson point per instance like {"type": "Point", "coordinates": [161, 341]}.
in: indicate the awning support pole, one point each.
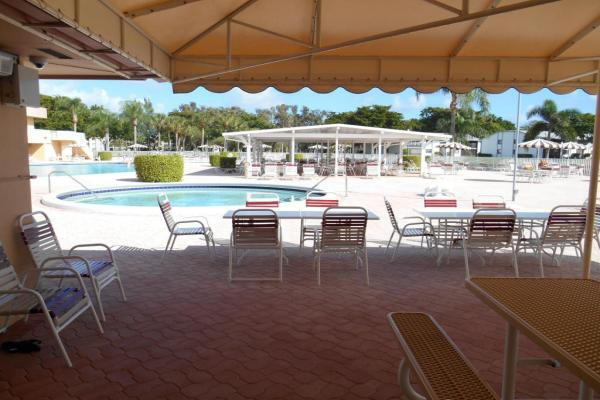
{"type": "Point", "coordinates": [293, 148]}
{"type": "Point", "coordinates": [593, 192]}
{"type": "Point", "coordinates": [423, 163]}
{"type": "Point", "coordinates": [516, 148]}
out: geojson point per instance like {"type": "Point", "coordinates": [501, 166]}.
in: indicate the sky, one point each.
{"type": "Point", "coordinates": [111, 94]}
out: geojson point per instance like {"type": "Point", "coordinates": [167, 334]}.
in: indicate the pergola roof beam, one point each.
{"type": "Point", "coordinates": [402, 31]}
{"type": "Point", "coordinates": [165, 5]}
{"type": "Point", "coordinates": [577, 37]}
{"type": "Point", "coordinates": [214, 26]}
{"type": "Point", "coordinates": [474, 28]}
{"type": "Point", "coordinates": [445, 6]}
{"type": "Point", "coordinates": [279, 35]}
{"type": "Point", "coordinates": [573, 77]}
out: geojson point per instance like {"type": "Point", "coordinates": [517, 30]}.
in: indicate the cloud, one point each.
{"type": "Point", "coordinates": [410, 103]}
{"type": "Point", "coordinates": [251, 101]}
{"type": "Point", "coordinates": [96, 95]}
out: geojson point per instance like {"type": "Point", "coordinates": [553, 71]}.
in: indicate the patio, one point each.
{"type": "Point", "coordinates": [186, 333]}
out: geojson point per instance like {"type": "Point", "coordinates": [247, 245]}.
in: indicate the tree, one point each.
{"type": "Point", "coordinates": [160, 125]}
{"type": "Point", "coordinates": [550, 121]}
{"type": "Point", "coordinates": [60, 113]}
{"type": "Point", "coordinates": [133, 111]}
{"type": "Point", "coordinates": [100, 122]}
{"type": "Point", "coordinates": [377, 115]}
{"type": "Point", "coordinates": [581, 125]}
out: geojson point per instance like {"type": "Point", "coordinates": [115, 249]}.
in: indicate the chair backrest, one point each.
{"type": "Point", "coordinates": [492, 227]}
{"type": "Point", "coordinates": [39, 236]}
{"type": "Point", "coordinates": [165, 209]}
{"type": "Point", "coordinates": [390, 211]}
{"type": "Point", "coordinates": [8, 277]}
{"type": "Point", "coordinates": [488, 201]}
{"type": "Point", "coordinates": [262, 200]}
{"type": "Point", "coordinates": [291, 169]}
{"type": "Point", "coordinates": [270, 169]}
{"type": "Point", "coordinates": [308, 170]}
{"type": "Point", "coordinates": [255, 228]}
{"type": "Point", "coordinates": [439, 199]}
{"type": "Point", "coordinates": [344, 227]}
{"type": "Point", "coordinates": [566, 224]}
{"type": "Point", "coordinates": [321, 199]}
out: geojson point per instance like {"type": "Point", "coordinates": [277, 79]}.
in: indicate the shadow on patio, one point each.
{"type": "Point", "coordinates": [187, 333]}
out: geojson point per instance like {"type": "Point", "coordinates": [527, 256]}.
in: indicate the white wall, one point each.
{"type": "Point", "coordinates": [501, 144]}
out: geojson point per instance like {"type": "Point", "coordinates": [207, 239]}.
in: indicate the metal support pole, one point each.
{"type": "Point", "coordinates": [249, 157]}
{"type": "Point", "coordinates": [516, 148]}
{"type": "Point", "coordinates": [379, 155]}
{"type": "Point", "coordinates": [293, 148]}
{"type": "Point", "coordinates": [593, 192]}
{"type": "Point", "coordinates": [337, 144]}
{"type": "Point", "coordinates": [423, 163]}
{"type": "Point", "coordinates": [511, 351]}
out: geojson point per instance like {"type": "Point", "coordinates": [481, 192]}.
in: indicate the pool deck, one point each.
{"type": "Point", "coordinates": [185, 333]}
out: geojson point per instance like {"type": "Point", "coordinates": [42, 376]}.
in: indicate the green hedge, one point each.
{"type": "Point", "coordinates": [415, 159]}
{"type": "Point", "coordinates": [105, 155]}
{"type": "Point", "coordinates": [228, 162]}
{"type": "Point", "coordinates": [298, 157]}
{"type": "Point", "coordinates": [159, 168]}
{"type": "Point", "coordinates": [214, 160]}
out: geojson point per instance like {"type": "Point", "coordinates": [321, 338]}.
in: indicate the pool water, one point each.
{"type": "Point", "coordinates": [183, 197]}
{"type": "Point", "coordinates": [80, 169]}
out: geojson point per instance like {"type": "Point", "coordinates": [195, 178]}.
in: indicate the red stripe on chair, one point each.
{"type": "Point", "coordinates": [440, 202]}
{"type": "Point", "coordinates": [489, 205]}
{"type": "Point", "coordinates": [322, 203]}
{"type": "Point", "coordinates": [267, 204]}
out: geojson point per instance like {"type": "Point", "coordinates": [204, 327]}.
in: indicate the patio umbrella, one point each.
{"type": "Point", "coordinates": [539, 144]}
{"type": "Point", "coordinates": [454, 146]}
{"type": "Point", "coordinates": [137, 146]}
{"type": "Point", "coordinates": [572, 146]}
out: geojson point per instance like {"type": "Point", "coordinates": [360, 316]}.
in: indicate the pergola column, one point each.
{"type": "Point", "coordinates": [249, 157]}
{"type": "Point", "coordinates": [337, 143]}
{"type": "Point", "coordinates": [422, 163]}
{"type": "Point", "coordinates": [593, 192]}
{"type": "Point", "coordinates": [379, 148]}
{"type": "Point", "coordinates": [293, 148]}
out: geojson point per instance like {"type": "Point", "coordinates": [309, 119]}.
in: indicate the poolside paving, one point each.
{"type": "Point", "coordinates": [185, 333]}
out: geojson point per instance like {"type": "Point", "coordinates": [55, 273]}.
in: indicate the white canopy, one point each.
{"type": "Point", "coordinates": [454, 146]}
{"type": "Point", "coordinates": [137, 146]}
{"type": "Point", "coordinates": [540, 144]}
{"type": "Point", "coordinates": [572, 146]}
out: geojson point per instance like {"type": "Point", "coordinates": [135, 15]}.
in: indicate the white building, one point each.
{"type": "Point", "coordinates": [502, 144]}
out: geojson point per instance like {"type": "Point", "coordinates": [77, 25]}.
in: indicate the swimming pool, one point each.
{"type": "Point", "coordinates": [80, 168]}
{"type": "Point", "coordinates": [182, 195]}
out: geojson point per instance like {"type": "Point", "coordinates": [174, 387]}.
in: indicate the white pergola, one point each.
{"type": "Point", "coordinates": [336, 134]}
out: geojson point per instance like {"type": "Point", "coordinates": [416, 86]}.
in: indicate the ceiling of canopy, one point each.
{"type": "Point", "coordinates": [328, 44]}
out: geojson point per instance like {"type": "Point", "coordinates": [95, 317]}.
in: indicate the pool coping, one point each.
{"type": "Point", "coordinates": [55, 200]}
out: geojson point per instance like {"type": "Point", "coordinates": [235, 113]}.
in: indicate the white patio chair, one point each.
{"type": "Point", "coordinates": [564, 228]}
{"type": "Point", "coordinates": [343, 230]}
{"type": "Point", "coordinates": [439, 199]}
{"type": "Point", "coordinates": [262, 200]}
{"type": "Point", "coordinates": [59, 303]}
{"type": "Point", "coordinates": [197, 226]}
{"type": "Point", "coordinates": [270, 170]}
{"type": "Point", "coordinates": [596, 221]}
{"type": "Point", "coordinates": [255, 169]}
{"type": "Point", "coordinates": [422, 229]}
{"type": "Point", "coordinates": [39, 236]}
{"type": "Point", "coordinates": [489, 229]}
{"type": "Point", "coordinates": [308, 171]}
{"type": "Point", "coordinates": [255, 230]}
{"type": "Point", "coordinates": [290, 171]}
{"type": "Point", "coordinates": [315, 199]}
{"type": "Point", "coordinates": [488, 201]}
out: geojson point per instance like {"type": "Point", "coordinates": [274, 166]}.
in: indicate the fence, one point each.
{"type": "Point", "coordinates": [505, 163]}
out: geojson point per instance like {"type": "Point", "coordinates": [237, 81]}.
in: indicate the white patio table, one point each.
{"type": "Point", "coordinates": [303, 213]}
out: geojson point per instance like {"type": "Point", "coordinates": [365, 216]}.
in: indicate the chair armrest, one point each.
{"type": "Point", "coordinates": [421, 224]}
{"type": "Point", "coordinates": [108, 250]}
{"type": "Point", "coordinates": [415, 217]}
{"type": "Point", "coordinates": [191, 221]}
{"type": "Point", "coordinates": [201, 217]}
{"type": "Point", "coordinates": [66, 259]}
{"type": "Point", "coordinates": [74, 273]}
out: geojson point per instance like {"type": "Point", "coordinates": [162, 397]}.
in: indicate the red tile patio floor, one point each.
{"type": "Point", "coordinates": [185, 333]}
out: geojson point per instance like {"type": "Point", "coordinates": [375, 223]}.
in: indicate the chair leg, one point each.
{"type": "Point", "coordinates": [466, 255]}
{"type": "Point", "coordinates": [96, 290]}
{"type": "Point", "coordinates": [166, 247]}
{"type": "Point", "coordinates": [514, 259]}
{"type": "Point", "coordinates": [207, 244]}
{"type": "Point", "coordinates": [173, 242]}
{"type": "Point", "coordinates": [280, 263]}
{"type": "Point", "coordinates": [396, 248]}
{"type": "Point", "coordinates": [404, 381]}
{"type": "Point", "coordinates": [230, 269]}
{"type": "Point", "coordinates": [541, 251]}
{"type": "Point", "coordinates": [93, 310]}
{"type": "Point", "coordinates": [319, 268]}
{"type": "Point", "coordinates": [59, 342]}
{"type": "Point", "coordinates": [389, 243]}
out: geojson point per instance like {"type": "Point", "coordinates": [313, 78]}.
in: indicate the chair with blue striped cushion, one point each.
{"type": "Point", "coordinates": [60, 303]}
{"type": "Point", "coordinates": [39, 236]}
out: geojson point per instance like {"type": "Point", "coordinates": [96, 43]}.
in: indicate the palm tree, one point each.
{"type": "Point", "coordinates": [464, 101]}
{"type": "Point", "coordinates": [176, 125]}
{"type": "Point", "coordinates": [160, 123]}
{"type": "Point", "coordinates": [103, 119]}
{"type": "Point", "coordinates": [550, 120]}
{"type": "Point", "coordinates": [133, 110]}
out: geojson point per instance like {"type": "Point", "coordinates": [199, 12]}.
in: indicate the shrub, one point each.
{"type": "Point", "coordinates": [214, 160]}
{"type": "Point", "coordinates": [416, 159]}
{"type": "Point", "coordinates": [298, 157]}
{"type": "Point", "coordinates": [227, 162]}
{"type": "Point", "coordinates": [484, 155]}
{"type": "Point", "coordinates": [525, 155]}
{"type": "Point", "coordinates": [159, 168]}
{"type": "Point", "coordinates": [105, 155]}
